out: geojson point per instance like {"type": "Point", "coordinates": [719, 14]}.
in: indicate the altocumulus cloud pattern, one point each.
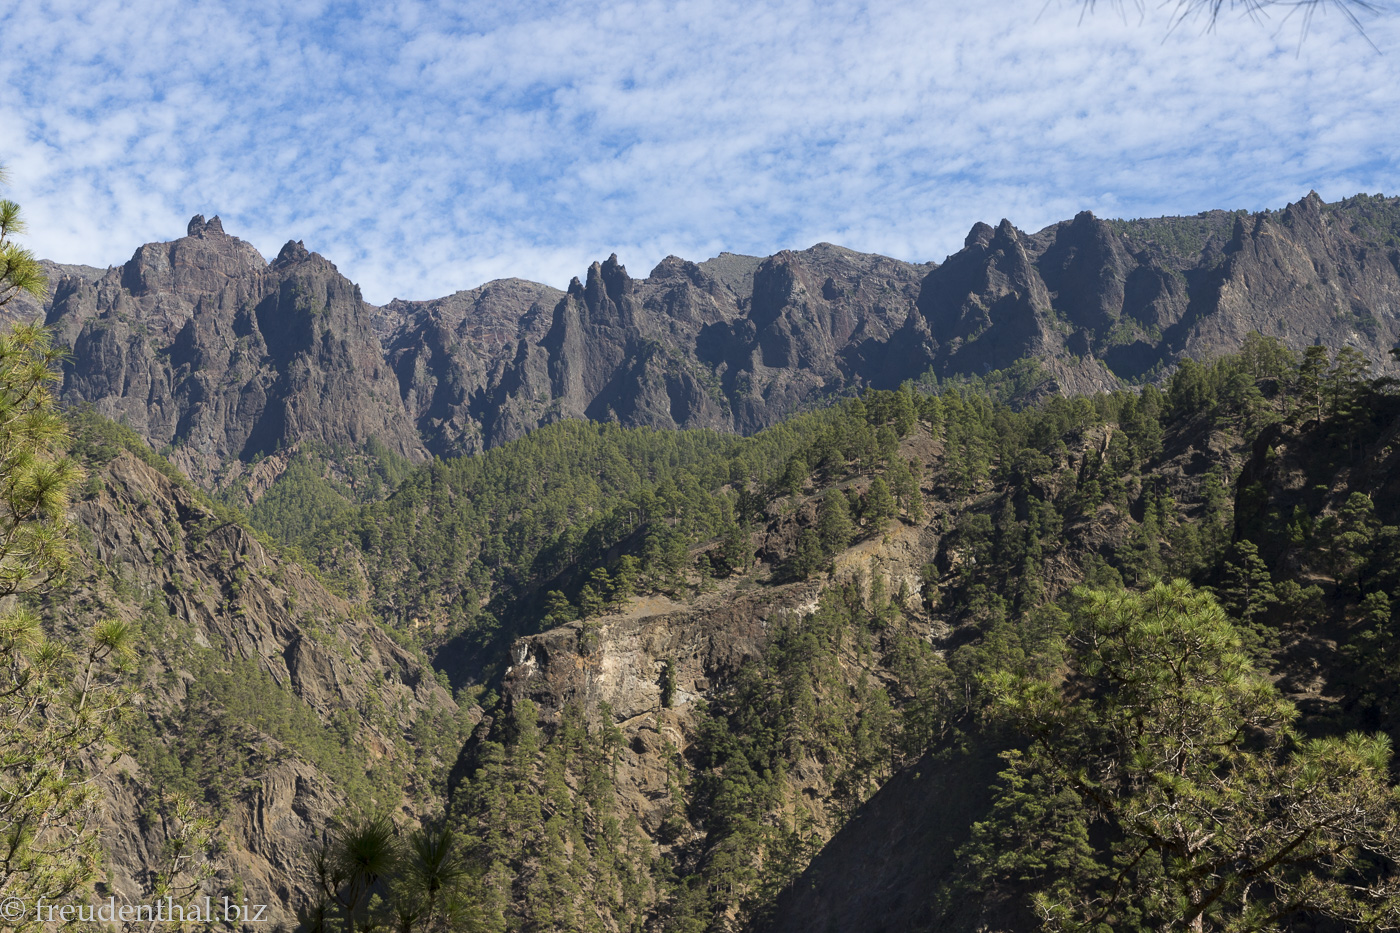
{"type": "Point", "coordinates": [428, 147]}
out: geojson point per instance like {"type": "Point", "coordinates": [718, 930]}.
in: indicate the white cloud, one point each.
{"type": "Point", "coordinates": [426, 149]}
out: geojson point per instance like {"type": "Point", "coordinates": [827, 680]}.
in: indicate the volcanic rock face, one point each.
{"type": "Point", "coordinates": [456, 358]}
{"type": "Point", "coordinates": [1301, 275]}
{"type": "Point", "coordinates": [201, 345]}
{"type": "Point", "coordinates": [734, 343]}
{"type": "Point", "coordinates": [24, 307]}
{"type": "Point", "coordinates": [1102, 301]}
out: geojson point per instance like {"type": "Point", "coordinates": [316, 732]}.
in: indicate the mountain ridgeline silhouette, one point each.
{"type": "Point", "coordinates": [203, 346]}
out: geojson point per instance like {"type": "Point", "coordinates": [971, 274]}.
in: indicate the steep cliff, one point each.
{"type": "Point", "coordinates": [202, 346]}
{"type": "Point", "coordinates": [734, 343]}
{"type": "Point", "coordinates": [23, 306]}
{"type": "Point", "coordinates": [272, 703]}
{"type": "Point", "coordinates": [457, 359]}
{"type": "Point", "coordinates": [1108, 300]}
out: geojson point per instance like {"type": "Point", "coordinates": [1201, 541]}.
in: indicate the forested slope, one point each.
{"type": "Point", "coordinates": [705, 682]}
{"type": "Point", "coordinates": [702, 657]}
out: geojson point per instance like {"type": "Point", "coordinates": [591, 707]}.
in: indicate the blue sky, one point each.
{"type": "Point", "coordinates": [430, 147]}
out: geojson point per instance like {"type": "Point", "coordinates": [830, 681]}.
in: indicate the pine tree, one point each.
{"type": "Point", "coordinates": [58, 705]}
{"type": "Point", "coordinates": [1143, 560]}
{"type": "Point", "coordinates": [794, 477]}
{"type": "Point", "coordinates": [1248, 592]}
{"type": "Point", "coordinates": [19, 270]}
{"type": "Point", "coordinates": [590, 602]}
{"type": "Point", "coordinates": [834, 526]}
{"type": "Point", "coordinates": [602, 583]}
{"type": "Point", "coordinates": [1312, 376]}
{"type": "Point", "coordinates": [1266, 357]}
{"type": "Point", "coordinates": [557, 609]}
{"type": "Point", "coordinates": [879, 505]}
{"type": "Point", "coordinates": [1009, 536]}
{"type": "Point", "coordinates": [1190, 391]}
{"type": "Point", "coordinates": [625, 578]}
{"type": "Point", "coordinates": [1204, 826]}
{"type": "Point", "coordinates": [733, 552]}
{"type": "Point", "coordinates": [1216, 519]}
{"type": "Point", "coordinates": [1248, 589]}
{"type": "Point", "coordinates": [915, 506]}
{"type": "Point", "coordinates": [1344, 384]}
{"type": "Point", "coordinates": [807, 555]}
{"type": "Point", "coordinates": [905, 488]}
{"type": "Point", "coordinates": [905, 414]}
{"type": "Point", "coordinates": [886, 442]}
{"type": "Point", "coordinates": [369, 876]}
{"type": "Point", "coordinates": [1349, 535]}
{"type": "Point", "coordinates": [750, 505]}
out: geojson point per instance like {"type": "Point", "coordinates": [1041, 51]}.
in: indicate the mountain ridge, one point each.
{"type": "Point", "coordinates": [203, 346]}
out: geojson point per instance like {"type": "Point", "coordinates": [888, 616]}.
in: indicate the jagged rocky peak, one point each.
{"type": "Point", "coordinates": [980, 235]}
{"type": "Point", "coordinates": [674, 265]}
{"type": "Point", "coordinates": [735, 342]}
{"type": "Point", "coordinates": [292, 251]}
{"type": "Point", "coordinates": [200, 227]}
{"type": "Point", "coordinates": [1086, 268]}
{"type": "Point", "coordinates": [674, 270]}
{"type": "Point", "coordinates": [1135, 296]}
{"type": "Point", "coordinates": [201, 345]}
{"type": "Point", "coordinates": [1310, 203]}
{"type": "Point", "coordinates": [775, 284]}
{"type": "Point", "coordinates": [1305, 216]}
{"type": "Point", "coordinates": [202, 262]}
{"type": "Point", "coordinates": [606, 293]}
{"type": "Point", "coordinates": [502, 310]}
{"type": "Point", "coordinates": [989, 282]}
{"type": "Point", "coordinates": [734, 271]}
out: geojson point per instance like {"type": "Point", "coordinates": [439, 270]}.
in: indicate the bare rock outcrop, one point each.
{"type": "Point", "coordinates": [201, 345]}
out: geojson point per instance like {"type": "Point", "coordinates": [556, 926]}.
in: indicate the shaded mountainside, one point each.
{"type": "Point", "coordinates": [201, 345]}
{"type": "Point", "coordinates": [267, 700]}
